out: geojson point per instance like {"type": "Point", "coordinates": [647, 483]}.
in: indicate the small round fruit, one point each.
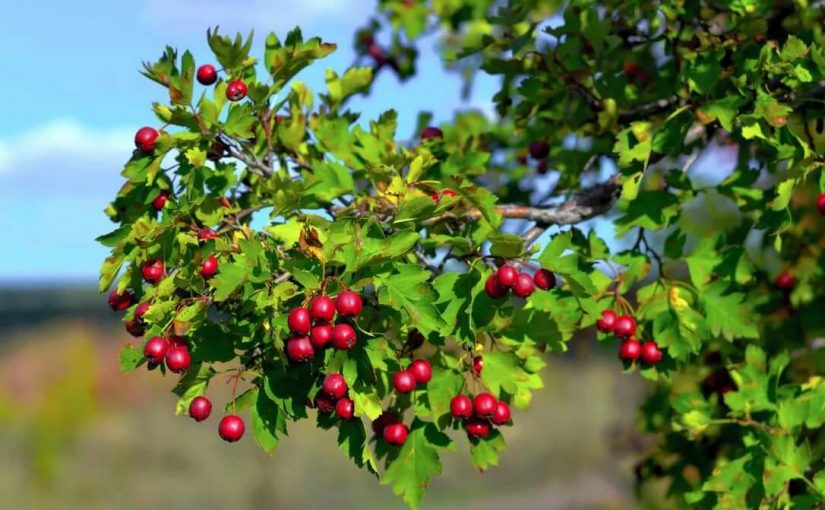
{"type": "Point", "coordinates": [200, 408]}
{"type": "Point", "coordinates": [507, 275]}
{"type": "Point", "coordinates": [630, 350]}
{"type": "Point", "coordinates": [461, 407]}
{"type": "Point", "coordinates": [225, 202]}
{"type": "Point", "coordinates": [299, 349]}
{"type": "Point", "coordinates": [120, 301]}
{"type": "Point", "coordinates": [403, 381]}
{"type": "Point", "coordinates": [324, 403]}
{"type": "Point", "coordinates": [544, 279]}
{"type": "Point", "coordinates": [299, 320]}
{"type": "Point", "coordinates": [607, 322]}
{"type": "Point", "coordinates": [322, 309]}
{"type": "Point", "coordinates": [421, 370]}
{"type": "Point", "coordinates": [524, 286]}
{"type": "Point", "coordinates": [501, 415]}
{"type": "Point", "coordinates": [231, 428]}
{"type": "Point", "coordinates": [348, 303]}
{"type": "Point", "coordinates": [153, 270]}
{"type": "Point", "coordinates": [155, 349]}
{"type": "Point", "coordinates": [484, 405]}
{"type": "Point", "coordinates": [320, 336]}
{"type": "Point", "coordinates": [650, 353]}
{"type": "Point", "coordinates": [334, 385]}
{"type": "Point", "coordinates": [236, 90]}
{"type": "Point", "coordinates": [820, 203]}
{"type": "Point", "coordinates": [478, 365]}
{"type": "Point", "coordinates": [786, 281]}
{"type": "Point", "coordinates": [415, 339]}
{"type": "Point", "coordinates": [431, 132]}
{"type": "Point", "coordinates": [145, 139]}
{"type": "Point", "coordinates": [160, 201]}
{"type": "Point", "coordinates": [178, 359]}
{"type": "Point", "coordinates": [538, 150]}
{"type": "Point", "coordinates": [396, 434]}
{"type": "Point", "coordinates": [493, 288]}
{"type": "Point", "coordinates": [477, 428]}
{"type": "Point", "coordinates": [207, 74]}
{"type": "Point", "coordinates": [345, 409]}
{"type": "Point", "coordinates": [141, 310]}
{"type": "Point", "coordinates": [343, 337]}
{"type": "Point", "coordinates": [206, 234]}
{"type": "Point", "coordinates": [135, 327]}
{"type": "Point", "coordinates": [625, 326]}
{"type": "Point", "coordinates": [449, 193]}
{"type": "Point", "coordinates": [209, 267]}
{"type": "Point", "coordinates": [384, 419]}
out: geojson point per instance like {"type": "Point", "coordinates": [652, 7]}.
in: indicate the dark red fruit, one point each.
{"type": "Point", "coordinates": [153, 270]}
{"type": "Point", "coordinates": [334, 385]}
{"type": "Point", "coordinates": [786, 281]}
{"type": "Point", "coordinates": [538, 150]}
{"type": "Point", "coordinates": [493, 288]}
{"type": "Point", "coordinates": [299, 349]}
{"type": "Point", "coordinates": [650, 353]}
{"type": "Point", "coordinates": [435, 197]}
{"type": "Point", "coordinates": [299, 320]}
{"type": "Point", "coordinates": [484, 405]}
{"type": "Point", "coordinates": [236, 90]}
{"type": "Point", "coordinates": [209, 267]}
{"type": "Point", "coordinates": [231, 428]}
{"type": "Point", "coordinates": [322, 309]}
{"type": "Point", "coordinates": [478, 365]}
{"type": "Point", "coordinates": [178, 359]}
{"type": "Point", "coordinates": [403, 381]}
{"type": "Point", "coordinates": [135, 328]}
{"type": "Point", "coordinates": [348, 303]}
{"type": "Point", "coordinates": [544, 279]}
{"type": "Point", "coordinates": [820, 203]}
{"type": "Point", "coordinates": [324, 403]}
{"type": "Point", "coordinates": [625, 326]}
{"type": "Point", "coordinates": [421, 370]}
{"type": "Point", "coordinates": [431, 132]}
{"type": "Point", "coordinates": [343, 337]}
{"type": "Point", "coordinates": [630, 350]}
{"type": "Point", "coordinates": [224, 202]}
{"type": "Point", "coordinates": [145, 139]}
{"type": "Point", "coordinates": [477, 428]}
{"type": "Point", "coordinates": [155, 349]}
{"type": "Point", "coordinates": [206, 234]}
{"type": "Point", "coordinates": [207, 74]}
{"type": "Point", "coordinates": [345, 409]}
{"type": "Point", "coordinates": [501, 415]}
{"type": "Point", "coordinates": [200, 408]}
{"type": "Point", "coordinates": [541, 167]}
{"type": "Point", "coordinates": [141, 310]}
{"type": "Point", "coordinates": [607, 322]}
{"type": "Point", "coordinates": [507, 275]}
{"type": "Point", "coordinates": [449, 193]}
{"type": "Point", "coordinates": [396, 434]}
{"type": "Point", "coordinates": [384, 419]}
{"type": "Point", "coordinates": [121, 301]}
{"type": "Point", "coordinates": [160, 201]}
{"type": "Point", "coordinates": [415, 339]}
{"type": "Point", "coordinates": [321, 335]}
{"type": "Point", "coordinates": [524, 286]}
{"type": "Point", "coordinates": [461, 407]}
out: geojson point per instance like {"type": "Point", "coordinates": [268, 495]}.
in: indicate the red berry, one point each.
{"type": "Point", "coordinates": [206, 234]}
{"type": "Point", "coordinates": [403, 381]}
{"type": "Point", "coordinates": [396, 434]}
{"type": "Point", "coordinates": [493, 288]}
{"type": "Point", "coordinates": [384, 419]}
{"type": "Point", "coordinates": [607, 322]}
{"type": "Point", "coordinates": [760, 38]}
{"type": "Point", "coordinates": [299, 349]}
{"type": "Point", "coordinates": [236, 90]}
{"type": "Point", "coordinates": [376, 52]}
{"type": "Point", "coordinates": [224, 202]}
{"type": "Point", "coordinates": [650, 353]}
{"type": "Point", "coordinates": [431, 132]}
{"type": "Point", "coordinates": [507, 275]}
{"type": "Point", "coordinates": [231, 428]}
{"type": "Point", "coordinates": [145, 139]}
{"type": "Point", "coordinates": [207, 74]}
{"type": "Point", "coordinates": [343, 337]}
{"type": "Point", "coordinates": [477, 428]}
{"type": "Point", "coordinates": [501, 415]}
{"type": "Point", "coordinates": [449, 193]}
{"type": "Point", "coordinates": [200, 408]}
{"type": "Point", "coordinates": [348, 303]}
{"type": "Point", "coordinates": [478, 365]}
{"type": "Point", "coordinates": [334, 385]}
{"type": "Point", "coordinates": [324, 403]}
{"type": "Point", "coordinates": [461, 407]}
{"type": "Point", "coordinates": [322, 309]}
{"type": "Point", "coordinates": [135, 328]}
{"type": "Point", "coordinates": [786, 281]}
{"type": "Point", "coordinates": [153, 270]}
{"type": "Point", "coordinates": [820, 203]}
{"type": "Point", "coordinates": [435, 197]}
{"type": "Point", "coordinates": [538, 150]}
{"type": "Point", "coordinates": [120, 301]}
{"type": "Point", "coordinates": [155, 349]}
{"type": "Point", "coordinates": [321, 335]}
{"type": "Point", "coordinates": [160, 201]}
{"type": "Point", "coordinates": [625, 326]}
{"type": "Point", "coordinates": [299, 320]}
{"type": "Point", "coordinates": [178, 359]}
{"type": "Point", "coordinates": [630, 350]}
{"type": "Point", "coordinates": [484, 405]}
{"type": "Point", "coordinates": [209, 267]}
{"type": "Point", "coordinates": [544, 279]}
{"type": "Point", "coordinates": [421, 370]}
{"type": "Point", "coordinates": [345, 409]}
{"type": "Point", "coordinates": [141, 310]}
{"type": "Point", "coordinates": [541, 168]}
{"type": "Point", "coordinates": [524, 286]}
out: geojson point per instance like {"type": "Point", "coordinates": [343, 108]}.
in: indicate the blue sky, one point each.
{"type": "Point", "coordinates": [73, 98]}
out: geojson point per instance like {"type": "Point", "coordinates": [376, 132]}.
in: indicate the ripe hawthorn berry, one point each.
{"type": "Point", "coordinates": [607, 322]}
{"type": "Point", "coordinates": [343, 337]}
{"type": "Point", "coordinates": [461, 407]}
{"type": "Point", "coordinates": [477, 428]}
{"type": "Point", "coordinates": [299, 349]}
{"type": "Point", "coordinates": [820, 203]}
{"type": "Point", "coordinates": [159, 202]}
{"type": "Point", "coordinates": [207, 74]}
{"type": "Point", "coordinates": [153, 270]}
{"type": "Point", "coordinates": [396, 434]}
{"type": "Point", "coordinates": [650, 353]}
{"type": "Point", "coordinates": [538, 149]}
{"type": "Point", "coordinates": [484, 405]}
{"type": "Point", "coordinates": [299, 320]}
{"type": "Point", "coordinates": [415, 339]}
{"type": "Point", "coordinates": [493, 288]}
{"type": "Point", "coordinates": [421, 370]}
{"type": "Point", "coordinates": [231, 428]}
{"type": "Point", "coordinates": [630, 350]}
{"type": "Point", "coordinates": [155, 349]}
{"type": "Point", "coordinates": [322, 309]}
{"type": "Point", "coordinates": [236, 90]}
{"type": "Point", "coordinates": [348, 304]}
{"type": "Point", "coordinates": [206, 234]}
{"type": "Point", "coordinates": [625, 326]}
{"type": "Point", "coordinates": [320, 336]}
{"type": "Point", "coordinates": [384, 419]}
{"type": "Point", "coordinates": [478, 365]}
{"type": "Point", "coordinates": [334, 385]}
{"type": "Point", "coordinates": [209, 267]}
{"type": "Point", "coordinates": [403, 381]}
{"type": "Point", "coordinates": [120, 301]}
{"type": "Point", "coordinates": [135, 327]}
{"type": "Point", "coordinates": [544, 279]}
{"type": "Point", "coordinates": [324, 403]}
{"type": "Point", "coordinates": [145, 139]}
{"type": "Point", "coordinates": [141, 310]}
{"type": "Point", "coordinates": [507, 275]}
{"type": "Point", "coordinates": [785, 281]}
{"type": "Point", "coordinates": [345, 409]}
{"type": "Point", "coordinates": [501, 415]}
{"type": "Point", "coordinates": [200, 408]}
{"type": "Point", "coordinates": [431, 132]}
{"type": "Point", "coordinates": [449, 193]}
{"type": "Point", "coordinates": [178, 359]}
{"type": "Point", "coordinates": [524, 286]}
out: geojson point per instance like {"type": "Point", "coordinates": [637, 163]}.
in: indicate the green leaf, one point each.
{"type": "Point", "coordinates": [267, 419]}
{"type": "Point", "coordinates": [130, 358]}
{"type": "Point", "coordinates": [485, 452]}
{"type": "Point", "coordinates": [230, 277]}
{"type": "Point", "coordinates": [505, 371]}
{"type": "Point", "coordinates": [352, 440]}
{"type": "Point", "coordinates": [727, 314]}
{"type": "Point", "coordinates": [409, 291]}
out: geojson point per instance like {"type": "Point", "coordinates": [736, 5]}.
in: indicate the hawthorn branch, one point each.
{"type": "Point", "coordinates": [256, 166]}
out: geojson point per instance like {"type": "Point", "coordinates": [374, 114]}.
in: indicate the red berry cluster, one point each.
{"type": "Point", "coordinates": [522, 284]}
{"type": "Point", "coordinates": [480, 414]}
{"type": "Point", "coordinates": [174, 351]}
{"type": "Point", "coordinates": [418, 373]}
{"type": "Point", "coordinates": [624, 327]}
{"type": "Point", "coordinates": [333, 397]}
{"type": "Point", "coordinates": [312, 328]}
{"type": "Point", "coordinates": [231, 427]}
